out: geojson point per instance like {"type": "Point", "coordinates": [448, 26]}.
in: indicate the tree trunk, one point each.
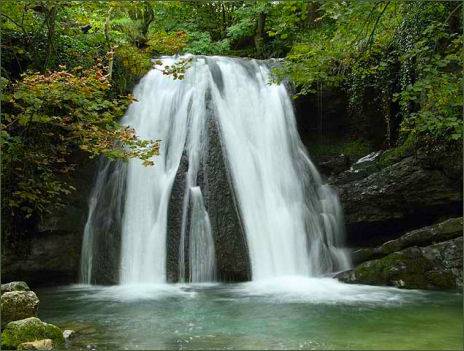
{"type": "Point", "coordinates": [312, 8]}
{"type": "Point", "coordinates": [148, 17]}
{"type": "Point", "coordinates": [50, 21]}
{"type": "Point", "coordinates": [259, 36]}
{"type": "Point", "coordinates": [110, 49]}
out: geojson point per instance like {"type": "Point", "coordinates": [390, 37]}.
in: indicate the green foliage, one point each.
{"type": "Point", "coordinates": [168, 43]}
{"type": "Point", "coordinates": [46, 118]}
{"type": "Point", "coordinates": [402, 60]}
{"type": "Point", "coordinates": [398, 59]}
{"type": "Point", "coordinates": [407, 148]}
{"type": "Point", "coordinates": [435, 98]}
{"type": "Point", "coordinates": [200, 43]}
{"type": "Point", "coordinates": [130, 64]}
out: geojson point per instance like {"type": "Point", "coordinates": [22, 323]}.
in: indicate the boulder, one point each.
{"type": "Point", "coordinates": [17, 305]}
{"type": "Point", "coordinates": [45, 344]}
{"type": "Point", "coordinates": [399, 197]}
{"type": "Point", "coordinates": [15, 286]}
{"type": "Point", "coordinates": [28, 330]}
{"type": "Point", "coordinates": [437, 266]}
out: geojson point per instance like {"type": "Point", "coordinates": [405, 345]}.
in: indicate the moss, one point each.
{"type": "Point", "coordinates": [354, 149]}
{"type": "Point", "coordinates": [29, 329]}
{"type": "Point", "coordinates": [404, 269]}
{"type": "Point", "coordinates": [17, 305]}
{"type": "Point", "coordinates": [15, 286]}
{"type": "Point", "coordinates": [391, 156]}
{"type": "Point", "coordinates": [442, 280]}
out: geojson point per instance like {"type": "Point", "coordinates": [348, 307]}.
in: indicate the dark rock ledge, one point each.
{"type": "Point", "coordinates": [426, 258]}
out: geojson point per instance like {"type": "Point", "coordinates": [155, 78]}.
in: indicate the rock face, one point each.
{"type": "Point", "coordinates": [105, 222]}
{"type": "Point", "coordinates": [229, 239]}
{"type": "Point", "coordinates": [330, 166]}
{"type": "Point", "coordinates": [45, 344]}
{"type": "Point", "coordinates": [427, 258]}
{"type": "Point", "coordinates": [17, 305]}
{"type": "Point", "coordinates": [410, 193]}
{"type": "Point", "coordinates": [449, 229]}
{"type": "Point", "coordinates": [51, 255]}
{"type": "Point", "coordinates": [30, 329]}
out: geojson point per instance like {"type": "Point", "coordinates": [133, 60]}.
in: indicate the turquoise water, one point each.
{"type": "Point", "coordinates": [288, 313]}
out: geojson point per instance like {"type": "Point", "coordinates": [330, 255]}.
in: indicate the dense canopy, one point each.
{"type": "Point", "coordinates": [68, 68]}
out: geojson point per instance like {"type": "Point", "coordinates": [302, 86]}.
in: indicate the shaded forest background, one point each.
{"type": "Point", "coordinates": [68, 67]}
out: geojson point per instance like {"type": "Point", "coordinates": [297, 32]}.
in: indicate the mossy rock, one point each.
{"type": "Point", "coordinates": [401, 269]}
{"type": "Point", "coordinates": [16, 305]}
{"type": "Point", "coordinates": [30, 329]}
{"type": "Point", "coordinates": [15, 286]}
{"type": "Point", "coordinates": [409, 269]}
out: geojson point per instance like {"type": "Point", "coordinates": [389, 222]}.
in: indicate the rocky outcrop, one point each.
{"type": "Point", "coordinates": [380, 203]}
{"type": "Point", "coordinates": [30, 329]}
{"type": "Point", "coordinates": [229, 237]}
{"type": "Point", "coordinates": [232, 259]}
{"type": "Point", "coordinates": [17, 305]}
{"type": "Point", "coordinates": [443, 231]}
{"type": "Point", "coordinates": [427, 258]}
{"type": "Point", "coordinates": [333, 165]}
{"type": "Point", "coordinates": [52, 258]}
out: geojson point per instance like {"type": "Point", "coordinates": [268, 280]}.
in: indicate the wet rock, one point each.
{"type": "Point", "coordinates": [332, 165]}
{"type": "Point", "coordinates": [45, 344]}
{"type": "Point", "coordinates": [438, 266]}
{"type": "Point", "coordinates": [399, 197]}
{"type": "Point", "coordinates": [15, 286]}
{"type": "Point", "coordinates": [17, 305]}
{"type": "Point", "coordinates": [232, 257]}
{"type": "Point", "coordinates": [229, 239]}
{"type": "Point", "coordinates": [68, 334]}
{"type": "Point", "coordinates": [443, 231]}
{"type": "Point", "coordinates": [30, 329]}
{"type": "Point", "coordinates": [39, 257]}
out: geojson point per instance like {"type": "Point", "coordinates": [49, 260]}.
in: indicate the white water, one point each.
{"type": "Point", "coordinates": [293, 222]}
{"type": "Point", "coordinates": [202, 258]}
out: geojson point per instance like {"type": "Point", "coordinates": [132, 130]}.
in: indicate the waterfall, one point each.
{"type": "Point", "coordinates": [202, 260]}
{"type": "Point", "coordinates": [292, 220]}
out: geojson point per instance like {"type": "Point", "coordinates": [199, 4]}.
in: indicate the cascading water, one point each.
{"type": "Point", "coordinates": [202, 258]}
{"type": "Point", "coordinates": [292, 221]}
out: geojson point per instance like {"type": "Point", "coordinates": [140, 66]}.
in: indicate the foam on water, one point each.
{"type": "Point", "coordinates": [325, 290]}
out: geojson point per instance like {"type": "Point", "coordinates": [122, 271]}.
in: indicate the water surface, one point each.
{"type": "Point", "coordinates": [285, 313]}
